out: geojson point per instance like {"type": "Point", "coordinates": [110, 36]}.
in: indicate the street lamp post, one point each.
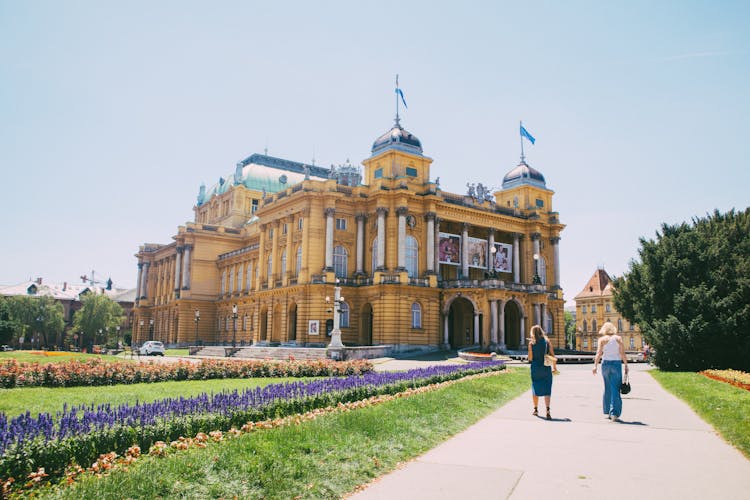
{"type": "Point", "coordinates": [234, 325]}
{"type": "Point", "coordinates": [118, 336]}
{"type": "Point", "coordinates": [151, 329]}
{"type": "Point", "coordinates": [197, 319]}
{"type": "Point", "coordinates": [336, 333]}
{"type": "Point", "coordinates": [140, 331]}
{"type": "Point", "coordinates": [536, 280]}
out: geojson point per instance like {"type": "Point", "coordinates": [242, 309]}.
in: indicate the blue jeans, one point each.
{"type": "Point", "coordinates": [612, 374]}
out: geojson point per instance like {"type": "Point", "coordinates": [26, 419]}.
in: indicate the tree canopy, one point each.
{"type": "Point", "coordinates": [690, 293]}
{"type": "Point", "coordinates": [39, 320]}
{"type": "Point", "coordinates": [98, 317]}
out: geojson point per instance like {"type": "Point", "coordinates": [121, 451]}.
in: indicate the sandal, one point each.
{"type": "Point", "coordinates": [549, 417]}
{"type": "Point", "coordinates": [536, 412]}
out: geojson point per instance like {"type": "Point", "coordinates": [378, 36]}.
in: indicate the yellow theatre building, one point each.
{"type": "Point", "coordinates": [417, 267]}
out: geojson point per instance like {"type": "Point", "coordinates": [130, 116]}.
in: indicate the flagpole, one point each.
{"type": "Point", "coordinates": [396, 95]}
{"type": "Point", "coordinates": [520, 125]}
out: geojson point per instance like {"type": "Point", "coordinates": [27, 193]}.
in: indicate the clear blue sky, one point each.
{"type": "Point", "coordinates": [113, 113]}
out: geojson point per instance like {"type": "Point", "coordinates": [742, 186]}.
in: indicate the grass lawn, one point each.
{"type": "Point", "coordinates": [51, 399]}
{"type": "Point", "coordinates": [725, 407]}
{"type": "Point", "coordinates": [325, 458]}
{"type": "Point", "coordinates": [51, 356]}
{"type": "Point", "coordinates": [177, 352]}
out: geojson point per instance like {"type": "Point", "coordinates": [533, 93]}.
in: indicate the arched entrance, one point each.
{"type": "Point", "coordinates": [461, 323]}
{"type": "Point", "coordinates": [292, 327]}
{"type": "Point", "coordinates": [263, 326]}
{"type": "Point", "coordinates": [365, 325]}
{"type": "Point", "coordinates": [512, 325]}
{"type": "Point", "coordinates": [276, 329]}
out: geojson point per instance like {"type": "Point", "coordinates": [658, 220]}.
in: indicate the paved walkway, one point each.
{"type": "Point", "coordinates": [660, 450]}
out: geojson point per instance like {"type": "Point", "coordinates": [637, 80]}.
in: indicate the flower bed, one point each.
{"type": "Point", "coordinates": [733, 377]}
{"type": "Point", "coordinates": [477, 356]}
{"type": "Point", "coordinates": [79, 435]}
{"type": "Point", "coordinates": [97, 372]}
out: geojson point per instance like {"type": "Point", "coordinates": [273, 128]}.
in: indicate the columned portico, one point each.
{"type": "Point", "coordinates": [382, 212]}
{"type": "Point", "coordinates": [401, 213]}
{"type": "Point", "coordinates": [556, 253]}
{"type": "Point", "coordinates": [430, 219]}
{"type": "Point", "coordinates": [329, 213]}
{"type": "Point", "coordinates": [360, 243]}
{"type": "Point", "coordinates": [516, 258]}
{"type": "Point", "coordinates": [177, 266]}
{"type": "Point", "coordinates": [465, 250]}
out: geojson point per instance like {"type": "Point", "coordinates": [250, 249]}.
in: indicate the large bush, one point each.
{"type": "Point", "coordinates": [690, 293]}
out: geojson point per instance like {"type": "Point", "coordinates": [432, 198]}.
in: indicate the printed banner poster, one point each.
{"type": "Point", "coordinates": [449, 249]}
{"type": "Point", "coordinates": [313, 327]}
{"type": "Point", "coordinates": [478, 253]}
{"type": "Point", "coordinates": [503, 258]}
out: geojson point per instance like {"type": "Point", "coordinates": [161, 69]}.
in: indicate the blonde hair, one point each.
{"type": "Point", "coordinates": [608, 329]}
{"type": "Point", "coordinates": [537, 333]}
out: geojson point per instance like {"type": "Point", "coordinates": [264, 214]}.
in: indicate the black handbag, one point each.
{"type": "Point", "coordinates": [625, 385]}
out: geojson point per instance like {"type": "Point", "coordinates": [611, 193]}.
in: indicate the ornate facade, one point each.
{"type": "Point", "coordinates": [594, 306]}
{"type": "Point", "coordinates": [417, 266]}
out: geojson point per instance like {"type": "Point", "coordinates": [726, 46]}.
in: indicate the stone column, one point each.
{"type": "Point", "coordinates": [465, 250]}
{"type": "Point", "coordinates": [446, 342]}
{"type": "Point", "coordinates": [187, 267]}
{"type": "Point", "coordinates": [516, 258]}
{"type": "Point", "coordinates": [329, 212]}
{"type": "Point", "coordinates": [501, 321]}
{"type": "Point", "coordinates": [140, 281]}
{"type": "Point", "coordinates": [262, 268]}
{"type": "Point", "coordinates": [541, 318]}
{"type": "Point", "coordinates": [556, 252]}
{"type": "Point", "coordinates": [360, 243]}
{"type": "Point", "coordinates": [401, 212]}
{"type": "Point", "coordinates": [177, 265]}
{"type": "Point", "coordinates": [476, 327]}
{"type": "Point", "coordinates": [536, 315]}
{"type": "Point", "coordinates": [382, 212]}
{"type": "Point", "coordinates": [144, 291]}
{"type": "Point", "coordinates": [429, 217]}
{"type": "Point", "coordinates": [523, 331]}
{"type": "Point", "coordinates": [291, 258]}
{"type": "Point", "coordinates": [437, 242]}
{"type": "Point", "coordinates": [275, 255]}
{"type": "Point", "coordinates": [493, 323]}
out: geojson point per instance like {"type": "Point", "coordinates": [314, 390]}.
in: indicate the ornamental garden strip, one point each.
{"type": "Point", "coordinates": [81, 434]}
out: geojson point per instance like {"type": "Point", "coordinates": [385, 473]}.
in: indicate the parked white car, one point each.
{"type": "Point", "coordinates": [152, 348]}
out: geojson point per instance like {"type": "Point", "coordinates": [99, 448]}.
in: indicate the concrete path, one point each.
{"type": "Point", "coordinates": [660, 450]}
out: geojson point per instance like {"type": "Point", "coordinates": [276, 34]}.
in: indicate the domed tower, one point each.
{"type": "Point", "coordinates": [524, 188]}
{"type": "Point", "coordinates": [397, 154]}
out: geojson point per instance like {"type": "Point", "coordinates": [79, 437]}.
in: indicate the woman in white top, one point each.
{"type": "Point", "coordinates": [611, 351]}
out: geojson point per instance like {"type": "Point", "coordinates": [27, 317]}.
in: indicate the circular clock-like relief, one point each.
{"type": "Point", "coordinates": [283, 179]}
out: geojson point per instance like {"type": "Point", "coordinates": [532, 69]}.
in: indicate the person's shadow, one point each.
{"type": "Point", "coordinates": [553, 419]}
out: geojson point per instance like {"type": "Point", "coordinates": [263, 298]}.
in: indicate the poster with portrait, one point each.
{"type": "Point", "coordinates": [313, 327]}
{"type": "Point", "coordinates": [449, 249]}
{"type": "Point", "coordinates": [503, 258]}
{"type": "Point", "coordinates": [478, 253]}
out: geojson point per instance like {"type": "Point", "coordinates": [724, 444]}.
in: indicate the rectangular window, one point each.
{"type": "Point", "coordinates": [632, 342]}
{"type": "Point", "coordinates": [255, 206]}
{"type": "Point", "coordinates": [539, 203]}
{"type": "Point", "coordinates": [585, 342]}
{"type": "Point", "coordinates": [583, 309]}
{"type": "Point", "coordinates": [299, 224]}
{"type": "Point", "coordinates": [607, 307]}
{"type": "Point", "coordinates": [593, 308]}
{"type": "Point", "coordinates": [284, 229]}
{"type": "Point", "coordinates": [341, 224]}
{"type": "Point", "coordinates": [379, 173]}
{"type": "Point", "coordinates": [411, 172]}
{"type": "Point", "coordinates": [270, 233]}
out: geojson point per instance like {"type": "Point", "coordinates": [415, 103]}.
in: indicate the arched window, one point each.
{"type": "Point", "coordinates": [239, 278]}
{"type": "Point", "coordinates": [340, 261]}
{"type": "Point", "coordinates": [374, 255]}
{"type": "Point", "coordinates": [283, 263]}
{"type": "Point", "coordinates": [344, 317]}
{"type": "Point", "coordinates": [542, 269]}
{"type": "Point", "coordinates": [593, 326]}
{"type": "Point", "coordinates": [412, 257]}
{"type": "Point", "coordinates": [269, 269]}
{"type": "Point", "coordinates": [549, 324]}
{"type": "Point", "coordinates": [231, 281]}
{"type": "Point", "coordinates": [298, 267]}
{"type": "Point", "coordinates": [619, 325]}
{"type": "Point", "coordinates": [416, 315]}
{"type": "Point", "coordinates": [224, 281]}
{"type": "Point", "coordinates": [585, 326]}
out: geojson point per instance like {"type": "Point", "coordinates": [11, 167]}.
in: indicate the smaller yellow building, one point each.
{"type": "Point", "coordinates": [594, 307]}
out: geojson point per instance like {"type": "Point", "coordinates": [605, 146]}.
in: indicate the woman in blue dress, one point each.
{"type": "Point", "coordinates": [541, 376]}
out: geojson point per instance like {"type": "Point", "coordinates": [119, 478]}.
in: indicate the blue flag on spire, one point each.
{"type": "Point", "coordinates": [525, 133]}
{"type": "Point", "coordinates": [401, 94]}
